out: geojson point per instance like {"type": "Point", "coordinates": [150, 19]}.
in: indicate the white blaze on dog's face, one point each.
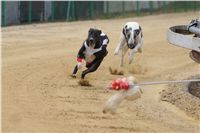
{"type": "Point", "coordinates": [129, 35]}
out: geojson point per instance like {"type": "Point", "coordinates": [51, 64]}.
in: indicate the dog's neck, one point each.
{"type": "Point", "coordinates": [97, 44]}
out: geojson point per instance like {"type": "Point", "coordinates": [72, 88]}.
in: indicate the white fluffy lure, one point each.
{"type": "Point", "coordinates": [130, 93]}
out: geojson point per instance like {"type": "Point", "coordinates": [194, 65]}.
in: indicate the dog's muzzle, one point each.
{"type": "Point", "coordinates": [91, 41]}
{"type": "Point", "coordinates": [132, 45]}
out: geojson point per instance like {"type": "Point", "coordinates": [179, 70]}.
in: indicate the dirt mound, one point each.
{"type": "Point", "coordinates": [194, 88]}
{"type": "Point", "coordinates": [115, 71]}
{"type": "Point", "coordinates": [138, 69]}
{"type": "Point", "coordinates": [84, 83]}
{"type": "Point", "coordinates": [195, 56]}
{"type": "Point", "coordinates": [179, 95]}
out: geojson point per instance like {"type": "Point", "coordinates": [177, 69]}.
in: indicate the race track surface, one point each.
{"type": "Point", "coordinates": [39, 96]}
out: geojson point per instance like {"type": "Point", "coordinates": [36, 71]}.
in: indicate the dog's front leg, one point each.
{"type": "Point", "coordinates": [138, 48]}
{"type": "Point", "coordinates": [122, 61]}
{"type": "Point", "coordinates": [133, 52]}
{"type": "Point", "coordinates": [124, 50]}
{"type": "Point", "coordinates": [120, 45]}
{"type": "Point", "coordinates": [140, 45]}
{"type": "Point", "coordinates": [130, 59]}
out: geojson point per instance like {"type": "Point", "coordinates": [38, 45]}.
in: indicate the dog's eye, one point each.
{"type": "Point", "coordinates": [137, 32]}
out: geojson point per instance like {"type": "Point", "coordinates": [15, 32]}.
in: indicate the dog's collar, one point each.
{"type": "Point", "coordinates": [91, 51]}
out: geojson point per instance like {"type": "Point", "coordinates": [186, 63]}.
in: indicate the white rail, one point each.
{"type": "Point", "coordinates": [167, 82]}
{"type": "Point", "coordinates": [178, 35]}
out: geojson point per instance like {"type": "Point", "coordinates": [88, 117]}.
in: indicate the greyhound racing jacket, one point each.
{"type": "Point", "coordinates": [99, 51]}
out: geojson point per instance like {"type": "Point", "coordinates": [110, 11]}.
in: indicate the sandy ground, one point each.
{"type": "Point", "coordinates": [38, 96]}
{"type": "Point", "coordinates": [178, 95]}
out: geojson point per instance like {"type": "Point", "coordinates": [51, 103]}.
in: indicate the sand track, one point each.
{"type": "Point", "coordinates": [39, 96]}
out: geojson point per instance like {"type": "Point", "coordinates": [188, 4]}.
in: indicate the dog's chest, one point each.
{"type": "Point", "coordinates": [89, 53]}
{"type": "Point", "coordinates": [91, 50]}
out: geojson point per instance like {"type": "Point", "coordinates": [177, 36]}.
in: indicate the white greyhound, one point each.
{"type": "Point", "coordinates": [131, 38]}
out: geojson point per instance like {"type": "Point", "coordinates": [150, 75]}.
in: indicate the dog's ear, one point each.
{"type": "Point", "coordinates": [140, 28]}
{"type": "Point", "coordinates": [125, 27]}
{"type": "Point", "coordinates": [90, 30]}
{"type": "Point", "coordinates": [99, 32]}
{"type": "Point", "coordinates": [141, 31]}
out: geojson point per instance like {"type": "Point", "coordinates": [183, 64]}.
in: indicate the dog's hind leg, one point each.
{"type": "Point", "coordinates": [140, 50]}
{"type": "Point", "coordinates": [122, 61]}
{"type": "Point", "coordinates": [120, 45]}
{"type": "Point", "coordinates": [93, 67]}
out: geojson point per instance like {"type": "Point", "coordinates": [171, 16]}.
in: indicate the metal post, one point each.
{"type": "Point", "coordinates": [138, 8]}
{"type": "Point", "coordinates": [164, 6]}
{"type": "Point", "coordinates": [68, 10]}
{"type": "Point", "coordinates": [123, 7]}
{"type": "Point", "coordinates": [194, 4]}
{"type": "Point", "coordinates": [107, 7]}
{"type": "Point", "coordinates": [3, 13]}
{"type": "Point", "coordinates": [29, 11]}
{"type": "Point", "coordinates": [73, 10]}
{"type": "Point", "coordinates": [174, 6]}
{"type": "Point", "coordinates": [65, 10]}
{"type": "Point", "coordinates": [185, 6]}
{"type": "Point", "coordinates": [52, 10]}
{"type": "Point", "coordinates": [43, 13]}
{"type": "Point", "coordinates": [91, 9]}
{"type": "Point", "coordinates": [197, 5]}
{"type": "Point", "coordinates": [151, 7]}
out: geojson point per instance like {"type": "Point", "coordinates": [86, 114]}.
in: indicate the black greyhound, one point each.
{"type": "Point", "coordinates": [92, 51]}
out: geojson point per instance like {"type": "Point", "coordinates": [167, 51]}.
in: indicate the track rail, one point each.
{"type": "Point", "coordinates": [166, 82]}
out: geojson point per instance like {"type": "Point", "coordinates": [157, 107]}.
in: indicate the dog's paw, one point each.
{"type": "Point", "coordinates": [120, 73]}
{"type": "Point", "coordinates": [115, 71]}
{"type": "Point", "coordinates": [130, 60]}
{"type": "Point", "coordinates": [116, 53]}
{"type": "Point", "coordinates": [112, 112]}
{"type": "Point", "coordinates": [140, 50]}
{"type": "Point", "coordinates": [121, 65]}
